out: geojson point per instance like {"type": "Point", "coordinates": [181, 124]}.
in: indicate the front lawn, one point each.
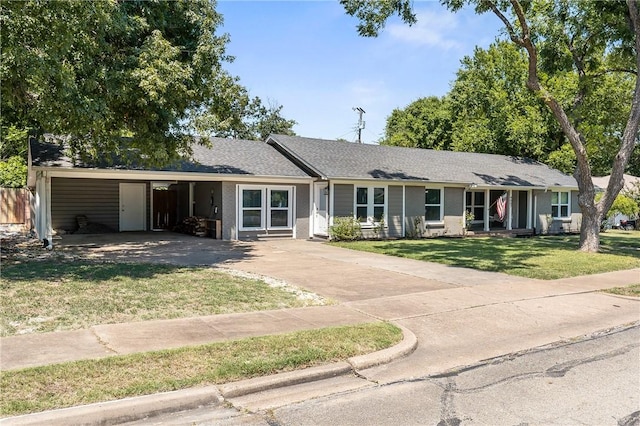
{"type": "Point", "coordinates": [84, 382]}
{"type": "Point", "coordinates": [543, 257]}
{"type": "Point", "coordinates": [49, 295]}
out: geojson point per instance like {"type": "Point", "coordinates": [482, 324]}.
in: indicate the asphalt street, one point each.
{"type": "Point", "coordinates": [591, 381]}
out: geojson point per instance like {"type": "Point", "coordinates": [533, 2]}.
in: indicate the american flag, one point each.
{"type": "Point", "coordinates": [501, 206]}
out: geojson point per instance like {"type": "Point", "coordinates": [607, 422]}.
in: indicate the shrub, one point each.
{"type": "Point", "coordinates": [345, 229]}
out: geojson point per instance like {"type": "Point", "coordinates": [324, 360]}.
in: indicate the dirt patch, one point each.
{"type": "Point", "coordinates": [20, 247]}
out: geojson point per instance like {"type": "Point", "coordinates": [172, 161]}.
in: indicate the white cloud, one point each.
{"type": "Point", "coordinates": [435, 29]}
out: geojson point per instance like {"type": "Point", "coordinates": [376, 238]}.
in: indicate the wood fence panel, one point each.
{"type": "Point", "coordinates": [14, 205]}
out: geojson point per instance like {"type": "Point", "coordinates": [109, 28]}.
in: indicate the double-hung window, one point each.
{"type": "Point", "coordinates": [433, 205]}
{"type": "Point", "coordinates": [370, 204]}
{"type": "Point", "coordinates": [265, 207]}
{"type": "Point", "coordinates": [560, 204]}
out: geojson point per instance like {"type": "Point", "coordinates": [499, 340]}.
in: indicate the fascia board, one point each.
{"type": "Point", "coordinates": [159, 176]}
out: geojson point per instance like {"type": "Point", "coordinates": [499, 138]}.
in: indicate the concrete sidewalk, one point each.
{"type": "Point", "coordinates": [458, 316]}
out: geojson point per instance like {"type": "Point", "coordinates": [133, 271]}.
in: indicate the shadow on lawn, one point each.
{"type": "Point", "coordinates": [502, 254]}
{"type": "Point", "coordinates": [84, 271]}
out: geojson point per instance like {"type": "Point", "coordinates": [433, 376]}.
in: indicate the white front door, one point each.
{"type": "Point", "coordinates": [320, 204]}
{"type": "Point", "coordinates": [132, 206]}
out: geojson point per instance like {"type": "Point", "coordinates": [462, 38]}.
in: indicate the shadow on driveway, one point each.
{"type": "Point", "coordinates": [155, 247]}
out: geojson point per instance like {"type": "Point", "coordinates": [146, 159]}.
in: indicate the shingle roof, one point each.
{"type": "Point", "coordinates": [225, 156]}
{"type": "Point", "coordinates": [344, 160]}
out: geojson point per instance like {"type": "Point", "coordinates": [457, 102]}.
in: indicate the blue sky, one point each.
{"type": "Point", "coordinates": [308, 57]}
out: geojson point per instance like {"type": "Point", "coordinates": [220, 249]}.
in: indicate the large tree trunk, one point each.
{"type": "Point", "coordinates": [592, 212]}
{"type": "Point", "coordinates": [590, 230]}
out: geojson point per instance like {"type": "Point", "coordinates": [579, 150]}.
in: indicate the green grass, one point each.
{"type": "Point", "coordinates": [43, 296]}
{"type": "Point", "coordinates": [83, 382]}
{"type": "Point", "coordinates": [632, 290]}
{"type": "Point", "coordinates": [543, 257]}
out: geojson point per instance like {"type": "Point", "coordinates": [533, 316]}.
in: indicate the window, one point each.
{"type": "Point", "coordinates": [475, 204]}
{"type": "Point", "coordinates": [279, 209]}
{"type": "Point", "coordinates": [265, 207]}
{"type": "Point", "coordinates": [433, 205]}
{"type": "Point", "coordinates": [370, 204]}
{"type": "Point", "coordinates": [252, 208]}
{"type": "Point", "coordinates": [560, 204]}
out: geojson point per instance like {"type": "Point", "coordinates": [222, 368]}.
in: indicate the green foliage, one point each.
{"type": "Point", "coordinates": [372, 15]}
{"type": "Point", "coordinates": [425, 123]}
{"type": "Point", "coordinates": [100, 70]}
{"type": "Point", "coordinates": [13, 172]}
{"type": "Point", "coordinates": [13, 142]}
{"type": "Point", "coordinates": [624, 205]}
{"type": "Point", "coordinates": [345, 229]}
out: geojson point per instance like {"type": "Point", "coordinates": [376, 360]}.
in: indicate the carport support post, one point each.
{"type": "Point", "coordinates": [43, 208]}
{"type": "Point", "coordinates": [191, 198]}
{"type": "Point", "coordinates": [487, 207]}
{"type": "Point", "coordinates": [510, 211]}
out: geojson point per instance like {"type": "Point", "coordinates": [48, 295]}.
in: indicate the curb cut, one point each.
{"type": "Point", "coordinates": [138, 408]}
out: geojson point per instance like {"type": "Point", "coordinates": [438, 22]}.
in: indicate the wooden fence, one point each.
{"type": "Point", "coordinates": [15, 206]}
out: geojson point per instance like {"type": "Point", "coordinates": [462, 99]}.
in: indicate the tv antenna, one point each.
{"type": "Point", "coordinates": [361, 123]}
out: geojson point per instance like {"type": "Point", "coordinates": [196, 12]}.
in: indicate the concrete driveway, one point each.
{"type": "Point", "coordinates": [339, 274]}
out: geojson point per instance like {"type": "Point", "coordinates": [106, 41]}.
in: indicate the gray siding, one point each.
{"type": "Point", "coordinates": [302, 211]}
{"type": "Point", "coordinates": [98, 199]}
{"type": "Point", "coordinates": [453, 211]}
{"type": "Point", "coordinates": [546, 224]}
{"type": "Point", "coordinates": [342, 200]}
{"type": "Point", "coordinates": [394, 215]}
{"type": "Point", "coordinates": [228, 211]}
{"type": "Point", "coordinates": [414, 211]}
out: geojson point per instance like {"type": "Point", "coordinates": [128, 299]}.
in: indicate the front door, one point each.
{"type": "Point", "coordinates": [132, 202]}
{"type": "Point", "coordinates": [320, 214]}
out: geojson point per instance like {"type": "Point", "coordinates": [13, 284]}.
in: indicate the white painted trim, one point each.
{"type": "Point", "coordinates": [404, 210]}
{"type": "Point", "coordinates": [169, 176]}
{"type": "Point", "coordinates": [312, 224]}
{"type": "Point", "coordinates": [442, 201]}
{"type": "Point", "coordinates": [529, 208]}
{"type": "Point", "coordinates": [510, 211]}
{"type": "Point", "coordinates": [487, 208]}
{"type": "Point", "coordinates": [265, 208]}
{"type": "Point", "coordinates": [371, 205]}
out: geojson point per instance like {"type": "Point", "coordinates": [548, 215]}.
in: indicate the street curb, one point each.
{"type": "Point", "coordinates": [245, 387]}
{"type": "Point", "coordinates": [138, 408]}
{"type": "Point", "coordinates": [121, 411]}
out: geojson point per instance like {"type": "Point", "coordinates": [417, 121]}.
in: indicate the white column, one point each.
{"type": "Point", "coordinates": [529, 208]}
{"type": "Point", "coordinates": [487, 205]}
{"type": "Point", "coordinates": [510, 211]}
{"type": "Point", "coordinates": [312, 213]}
{"type": "Point", "coordinates": [43, 207]}
{"type": "Point", "coordinates": [404, 211]}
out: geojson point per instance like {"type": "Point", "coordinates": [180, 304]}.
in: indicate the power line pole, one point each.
{"type": "Point", "coordinates": [360, 122]}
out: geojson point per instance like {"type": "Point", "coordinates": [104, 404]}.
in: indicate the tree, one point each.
{"type": "Point", "coordinates": [97, 71]}
{"type": "Point", "coordinates": [587, 41]}
{"type": "Point", "coordinates": [246, 119]}
{"type": "Point", "coordinates": [495, 112]}
{"type": "Point", "coordinates": [424, 123]}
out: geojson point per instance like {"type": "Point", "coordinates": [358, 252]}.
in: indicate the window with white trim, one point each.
{"type": "Point", "coordinates": [433, 205]}
{"type": "Point", "coordinates": [475, 204]}
{"type": "Point", "coordinates": [370, 205]}
{"type": "Point", "coordinates": [265, 207]}
{"type": "Point", "coordinates": [560, 204]}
